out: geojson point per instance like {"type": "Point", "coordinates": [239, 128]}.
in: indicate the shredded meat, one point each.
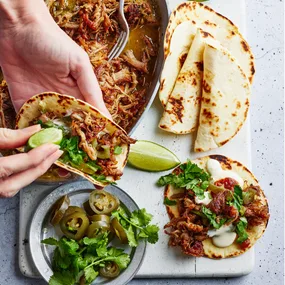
{"type": "Point", "coordinates": [84, 144]}
{"type": "Point", "coordinates": [218, 203]}
{"type": "Point", "coordinates": [150, 48]}
{"type": "Point", "coordinates": [187, 230]}
{"type": "Point", "coordinates": [256, 214]}
{"type": "Point", "coordinates": [130, 58]}
{"type": "Point", "coordinates": [109, 167]}
{"type": "Point", "coordinates": [122, 76]}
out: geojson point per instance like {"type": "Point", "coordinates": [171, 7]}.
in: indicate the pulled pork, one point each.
{"type": "Point", "coordinates": [90, 128]}
{"type": "Point", "coordinates": [187, 231]}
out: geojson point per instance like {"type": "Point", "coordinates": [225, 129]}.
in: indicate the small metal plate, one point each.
{"type": "Point", "coordinates": [40, 229]}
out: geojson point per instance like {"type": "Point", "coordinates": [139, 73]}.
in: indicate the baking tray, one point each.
{"type": "Point", "coordinates": [160, 261]}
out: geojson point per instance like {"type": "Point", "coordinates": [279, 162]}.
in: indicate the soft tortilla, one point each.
{"type": "Point", "coordinates": [181, 41]}
{"type": "Point", "coordinates": [225, 100]}
{"type": "Point", "coordinates": [254, 233]}
{"type": "Point", "coordinates": [181, 114]}
{"type": "Point", "coordinates": [63, 105]}
{"type": "Point", "coordinates": [221, 28]}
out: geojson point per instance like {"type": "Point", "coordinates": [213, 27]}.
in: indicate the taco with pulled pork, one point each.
{"type": "Point", "coordinates": [94, 146]}
{"type": "Point", "coordinates": [216, 207]}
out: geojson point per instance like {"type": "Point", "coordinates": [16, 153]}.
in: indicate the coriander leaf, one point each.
{"type": "Point", "coordinates": [199, 192]}
{"type": "Point", "coordinates": [152, 232]}
{"type": "Point", "coordinates": [79, 263]}
{"type": "Point", "coordinates": [61, 278]}
{"type": "Point", "coordinates": [90, 274]}
{"type": "Point", "coordinates": [192, 177]}
{"type": "Point", "coordinates": [102, 239]}
{"type": "Point", "coordinates": [131, 236]}
{"type": "Point", "coordinates": [140, 220]}
{"type": "Point", "coordinates": [102, 178]}
{"type": "Point", "coordinates": [237, 198]}
{"type": "Point", "coordinates": [113, 251]}
{"type": "Point", "coordinates": [50, 241]}
{"type": "Point", "coordinates": [60, 262]}
{"type": "Point", "coordinates": [117, 150]}
{"type": "Point", "coordinates": [212, 218]}
{"type": "Point", "coordinates": [93, 166]}
{"type": "Point", "coordinates": [169, 202]}
{"type": "Point", "coordinates": [101, 251]}
{"type": "Point", "coordinates": [97, 246]}
{"type": "Point", "coordinates": [68, 246]}
{"type": "Point", "coordinates": [241, 230]}
{"type": "Point", "coordinates": [122, 260]}
{"type": "Point", "coordinates": [72, 152]}
{"type": "Point", "coordinates": [141, 217]}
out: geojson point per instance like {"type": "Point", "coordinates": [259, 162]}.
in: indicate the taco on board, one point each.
{"type": "Point", "coordinates": [216, 207]}
{"type": "Point", "coordinates": [94, 146]}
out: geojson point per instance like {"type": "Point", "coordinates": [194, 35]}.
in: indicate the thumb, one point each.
{"type": "Point", "coordinates": [10, 139]}
{"type": "Point", "coordinates": [88, 84]}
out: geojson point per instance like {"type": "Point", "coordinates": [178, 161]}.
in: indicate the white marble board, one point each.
{"type": "Point", "coordinates": [161, 261]}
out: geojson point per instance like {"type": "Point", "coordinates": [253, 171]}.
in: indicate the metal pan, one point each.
{"type": "Point", "coordinates": [40, 229]}
{"type": "Point", "coordinates": [153, 88]}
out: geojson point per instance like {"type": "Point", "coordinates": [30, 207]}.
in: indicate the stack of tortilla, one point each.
{"type": "Point", "coordinates": [207, 75]}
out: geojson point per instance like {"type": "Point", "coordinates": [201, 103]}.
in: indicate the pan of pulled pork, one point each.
{"type": "Point", "coordinates": [129, 82]}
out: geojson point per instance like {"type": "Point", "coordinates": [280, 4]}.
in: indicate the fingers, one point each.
{"type": "Point", "coordinates": [20, 162]}
{"type": "Point", "coordinates": [11, 185]}
{"type": "Point", "coordinates": [88, 84]}
{"type": "Point", "coordinates": [15, 138]}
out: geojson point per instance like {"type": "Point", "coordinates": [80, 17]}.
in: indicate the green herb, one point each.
{"type": "Point", "coordinates": [50, 241]}
{"type": "Point", "coordinates": [137, 226]}
{"type": "Point", "coordinates": [102, 178]}
{"type": "Point", "coordinates": [192, 177]}
{"type": "Point", "coordinates": [72, 152]}
{"type": "Point", "coordinates": [241, 230]}
{"type": "Point", "coordinates": [118, 150]}
{"type": "Point", "coordinates": [212, 218]}
{"type": "Point", "coordinates": [169, 202]}
{"type": "Point", "coordinates": [237, 199]}
{"type": "Point", "coordinates": [73, 259]}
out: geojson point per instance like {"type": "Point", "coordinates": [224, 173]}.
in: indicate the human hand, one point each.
{"type": "Point", "coordinates": [37, 56]}
{"type": "Point", "coordinates": [19, 170]}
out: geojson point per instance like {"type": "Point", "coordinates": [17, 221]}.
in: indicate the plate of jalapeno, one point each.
{"type": "Point", "coordinates": [81, 235]}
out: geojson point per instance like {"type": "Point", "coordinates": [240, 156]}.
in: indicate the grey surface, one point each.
{"type": "Point", "coordinates": [265, 34]}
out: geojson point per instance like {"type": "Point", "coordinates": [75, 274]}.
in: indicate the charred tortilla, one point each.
{"type": "Point", "coordinates": [193, 236]}
{"type": "Point", "coordinates": [225, 99]}
{"type": "Point", "coordinates": [221, 28]}
{"type": "Point", "coordinates": [94, 146]}
{"type": "Point", "coordinates": [181, 113]}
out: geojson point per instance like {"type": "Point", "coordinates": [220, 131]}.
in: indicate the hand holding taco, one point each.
{"type": "Point", "coordinates": [93, 146]}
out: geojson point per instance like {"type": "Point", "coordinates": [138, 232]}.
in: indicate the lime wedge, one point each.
{"type": "Point", "coordinates": [49, 135]}
{"type": "Point", "coordinates": [149, 156]}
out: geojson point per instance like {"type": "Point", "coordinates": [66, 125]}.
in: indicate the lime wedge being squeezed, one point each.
{"type": "Point", "coordinates": [149, 156]}
{"type": "Point", "coordinates": [49, 135]}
